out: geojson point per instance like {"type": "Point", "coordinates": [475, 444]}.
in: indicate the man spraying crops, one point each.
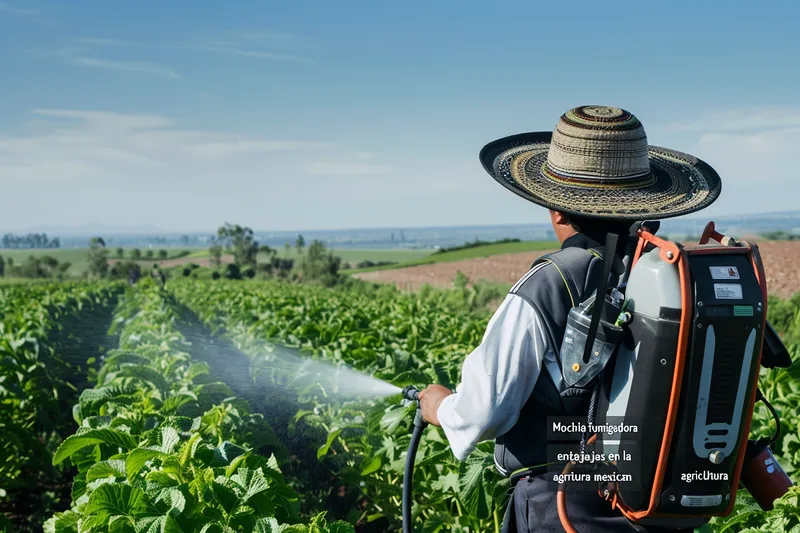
{"type": "Point", "coordinates": [597, 176]}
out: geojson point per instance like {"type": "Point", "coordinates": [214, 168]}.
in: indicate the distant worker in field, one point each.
{"type": "Point", "coordinates": [597, 176]}
{"type": "Point", "coordinates": [159, 277]}
{"type": "Point", "coordinates": [134, 273]}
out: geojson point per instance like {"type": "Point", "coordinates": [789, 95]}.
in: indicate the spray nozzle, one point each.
{"type": "Point", "coordinates": [411, 393]}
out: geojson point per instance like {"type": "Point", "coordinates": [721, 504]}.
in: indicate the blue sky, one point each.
{"type": "Point", "coordinates": [322, 115]}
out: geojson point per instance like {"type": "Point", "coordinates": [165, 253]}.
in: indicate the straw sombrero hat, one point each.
{"type": "Point", "coordinates": [597, 163]}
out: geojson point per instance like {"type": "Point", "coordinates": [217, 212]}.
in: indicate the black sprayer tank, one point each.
{"type": "Point", "coordinates": [716, 383]}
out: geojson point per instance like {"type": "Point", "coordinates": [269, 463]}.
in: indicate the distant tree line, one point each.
{"type": "Point", "coordinates": [780, 236]}
{"type": "Point", "coordinates": [31, 240]}
{"type": "Point", "coordinates": [136, 254]}
{"type": "Point", "coordinates": [368, 264]}
{"type": "Point", "coordinates": [474, 244]}
{"type": "Point", "coordinates": [34, 268]}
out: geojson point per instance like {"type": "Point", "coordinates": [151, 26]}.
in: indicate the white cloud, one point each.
{"type": "Point", "coordinates": [763, 156]}
{"type": "Point", "coordinates": [322, 168]}
{"type": "Point", "coordinates": [83, 145]}
{"type": "Point", "coordinates": [746, 146]}
{"type": "Point", "coordinates": [140, 67]}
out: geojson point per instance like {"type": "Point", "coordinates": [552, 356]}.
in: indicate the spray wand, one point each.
{"type": "Point", "coordinates": [411, 393]}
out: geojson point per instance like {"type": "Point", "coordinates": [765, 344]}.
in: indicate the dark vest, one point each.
{"type": "Point", "coordinates": [555, 284]}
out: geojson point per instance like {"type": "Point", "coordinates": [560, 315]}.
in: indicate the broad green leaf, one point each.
{"type": "Point", "coordinates": [392, 420]}
{"type": "Point", "coordinates": [198, 369]}
{"type": "Point", "coordinates": [225, 497]}
{"type": "Point", "coordinates": [472, 491]}
{"type": "Point", "coordinates": [146, 374]}
{"type": "Point", "coordinates": [252, 482]}
{"type": "Point", "coordinates": [158, 524]}
{"type": "Point", "coordinates": [227, 452]}
{"type": "Point", "coordinates": [373, 466]}
{"type": "Point", "coordinates": [117, 499]}
{"type": "Point", "coordinates": [66, 522]}
{"type": "Point", "coordinates": [174, 499]}
{"type": "Point", "coordinates": [115, 468]}
{"type": "Point", "coordinates": [169, 439]}
{"type": "Point", "coordinates": [266, 525]}
{"type": "Point", "coordinates": [332, 436]}
{"type": "Point", "coordinates": [95, 436]}
{"type": "Point", "coordinates": [138, 458]}
{"type": "Point", "coordinates": [448, 482]}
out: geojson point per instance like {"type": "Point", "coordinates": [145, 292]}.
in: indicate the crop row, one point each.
{"type": "Point", "coordinates": [406, 338]}
{"type": "Point", "coordinates": [37, 377]}
{"type": "Point", "coordinates": [162, 446]}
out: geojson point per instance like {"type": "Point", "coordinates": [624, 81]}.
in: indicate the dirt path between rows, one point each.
{"type": "Point", "coordinates": [781, 261]}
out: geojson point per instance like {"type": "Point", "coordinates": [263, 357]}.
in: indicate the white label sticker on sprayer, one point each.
{"type": "Point", "coordinates": [720, 272]}
{"type": "Point", "coordinates": [728, 291]}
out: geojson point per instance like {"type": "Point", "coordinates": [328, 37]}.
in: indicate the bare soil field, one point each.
{"type": "Point", "coordinates": [781, 261]}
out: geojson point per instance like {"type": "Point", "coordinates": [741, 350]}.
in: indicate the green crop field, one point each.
{"type": "Point", "coordinates": [202, 407]}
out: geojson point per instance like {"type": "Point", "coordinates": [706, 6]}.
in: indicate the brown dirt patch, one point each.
{"type": "Point", "coordinates": [781, 261]}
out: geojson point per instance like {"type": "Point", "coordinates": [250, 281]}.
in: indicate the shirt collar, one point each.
{"type": "Point", "coordinates": [579, 240]}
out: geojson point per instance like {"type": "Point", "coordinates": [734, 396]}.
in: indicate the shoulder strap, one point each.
{"type": "Point", "coordinates": [573, 265]}
{"type": "Point", "coordinates": [600, 300]}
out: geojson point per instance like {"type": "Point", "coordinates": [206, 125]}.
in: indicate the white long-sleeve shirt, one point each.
{"type": "Point", "coordinates": [498, 377]}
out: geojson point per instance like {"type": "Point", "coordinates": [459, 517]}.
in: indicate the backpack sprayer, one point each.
{"type": "Point", "coordinates": [675, 363]}
{"type": "Point", "coordinates": [674, 359]}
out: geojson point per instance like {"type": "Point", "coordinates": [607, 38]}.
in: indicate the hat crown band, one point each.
{"type": "Point", "coordinates": [593, 143]}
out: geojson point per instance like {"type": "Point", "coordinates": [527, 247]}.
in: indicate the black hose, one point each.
{"type": "Point", "coordinates": [416, 435]}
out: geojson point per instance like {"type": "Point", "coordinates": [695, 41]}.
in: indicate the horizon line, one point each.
{"type": "Point", "coordinates": [160, 231]}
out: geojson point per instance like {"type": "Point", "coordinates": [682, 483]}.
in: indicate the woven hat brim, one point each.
{"type": "Point", "coordinates": [681, 184]}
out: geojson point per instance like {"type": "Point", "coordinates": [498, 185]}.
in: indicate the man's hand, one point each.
{"type": "Point", "coordinates": [429, 400]}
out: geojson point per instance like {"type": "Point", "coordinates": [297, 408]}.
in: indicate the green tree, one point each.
{"type": "Point", "coordinates": [2, 266]}
{"type": "Point", "coordinates": [239, 240]}
{"type": "Point", "coordinates": [162, 254]}
{"type": "Point", "coordinates": [299, 243]}
{"type": "Point", "coordinates": [215, 251]}
{"type": "Point", "coordinates": [268, 251]}
{"type": "Point", "coordinates": [149, 254]}
{"type": "Point", "coordinates": [61, 271]}
{"type": "Point", "coordinates": [136, 253]}
{"type": "Point", "coordinates": [321, 265]}
{"type": "Point", "coordinates": [98, 257]}
{"type": "Point", "coordinates": [120, 253]}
